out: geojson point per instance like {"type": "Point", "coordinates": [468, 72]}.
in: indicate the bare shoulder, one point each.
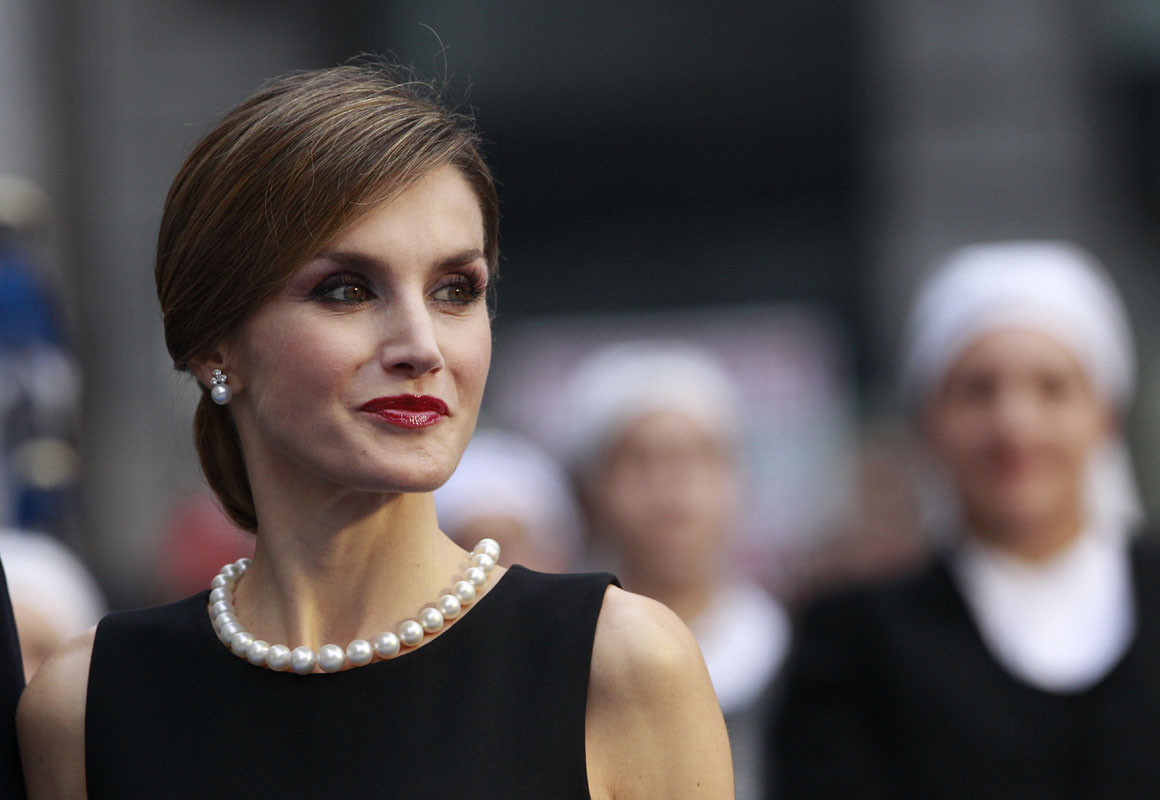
{"type": "Point", "coordinates": [50, 722]}
{"type": "Point", "coordinates": [654, 726]}
{"type": "Point", "coordinates": [638, 641]}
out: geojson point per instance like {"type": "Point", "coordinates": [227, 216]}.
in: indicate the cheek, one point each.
{"type": "Point", "coordinates": [955, 435]}
{"type": "Point", "coordinates": [293, 368]}
{"type": "Point", "coordinates": [469, 357]}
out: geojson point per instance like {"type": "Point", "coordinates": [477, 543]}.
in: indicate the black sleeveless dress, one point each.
{"type": "Point", "coordinates": [492, 708]}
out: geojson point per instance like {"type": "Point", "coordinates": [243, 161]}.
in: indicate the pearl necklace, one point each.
{"type": "Point", "coordinates": [331, 657]}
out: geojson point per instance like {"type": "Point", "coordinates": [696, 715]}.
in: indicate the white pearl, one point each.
{"type": "Point", "coordinates": [410, 633]}
{"type": "Point", "coordinates": [219, 581]}
{"type": "Point", "coordinates": [302, 660]}
{"type": "Point", "coordinates": [464, 592]}
{"type": "Point", "coordinates": [221, 619]}
{"type": "Point", "coordinates": [240, 642]}
{"type": "Point", "coordinates": [231, 571]}
{"type": "Point", "coordinates": [228, 630]}
{"type": "Point", "coordinates": [359, 652]}
{"type": "Point", "coordinates": [475, 576]}
{"type": "Point", "coordinates": [331, 657]}
{"type": "Point", "coordinates": [221, 393]}
{"type": "Point", "coordinates": [489, 547]}
{"type": "Point", "coordinates": [221, 607]}
{"type": "Point", "coordinates": [278, 657]}
{"type": "Point", "coordinates": [430, 619]}
{"type": "Point", "coordinates": [257, 651]}
{"type": "Point", "coordinates": [484, 562]}
{"type": "Point", "coordinates": [386, 645]}
{"type": "Point", "coordinates": [219, 594]}
{"type": "Point", "coordinates": [449, 606]}
{"type": "Point", "coordinates": [243, 564]}
{"type": "Point", "coordinates": [483, 545]}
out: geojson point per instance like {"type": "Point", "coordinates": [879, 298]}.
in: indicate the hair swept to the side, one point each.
{"type": "Point", "coordinates": [281, 175]}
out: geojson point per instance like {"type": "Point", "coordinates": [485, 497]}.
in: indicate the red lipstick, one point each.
{"type": "Point", "coordinates": [407, 410]}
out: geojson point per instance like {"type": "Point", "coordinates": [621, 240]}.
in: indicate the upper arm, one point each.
{"type": "Point", "coordinates": [50, 723]}
{"type": "Point", "coordinates": [654, 728]}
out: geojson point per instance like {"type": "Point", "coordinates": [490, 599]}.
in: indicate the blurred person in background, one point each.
{"type": "Point", "coordinates": [1021, 662]}
{"type": "Point", "coordinates": [509, 489]}
{"type": "Point", "coordinates": [881, 534]}
{"type": "Point", "coordinates": [39, 377]}
{"type": "Point", "coordinates": [323, 268]}
{"type": "Point", "coordinates": [652, 431]}
{"type": "Point", "coordinates": [54, 597]}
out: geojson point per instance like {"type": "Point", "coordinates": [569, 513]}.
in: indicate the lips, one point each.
{"type": "Point", "coordinates": [407, 410]}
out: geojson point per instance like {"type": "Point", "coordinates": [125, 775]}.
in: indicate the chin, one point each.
{"type": "Point", "coordinates": [415, 478]}
{"type": "Point", "coordinates": [1021, 514]}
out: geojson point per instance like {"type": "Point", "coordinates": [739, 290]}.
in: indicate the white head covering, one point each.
{"type": "Point", "coordinates": [625, 381]}
{"type": "Point", "coordinates": [505, 474]}
{"type": "Point", "coordinates": [1056, 287]}
{"type": "Point", "coordinates": [44, 575]}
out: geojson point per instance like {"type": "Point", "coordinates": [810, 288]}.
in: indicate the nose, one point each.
{"type": "Point", "coordinates": [1015, 413]}
{"type": "Point", "coordinates": [410, 346]}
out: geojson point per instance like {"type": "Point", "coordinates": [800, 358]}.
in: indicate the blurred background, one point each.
{"type": "Point", "coordinates": [769, 179]}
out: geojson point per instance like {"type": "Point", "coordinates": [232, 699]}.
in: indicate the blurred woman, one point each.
{"type": "Point", "coordinates": [652, 431]}
{"type": "Point", "coordinates": [1022, 662]}
{"type": "Point", "coordinates": [323, 270]}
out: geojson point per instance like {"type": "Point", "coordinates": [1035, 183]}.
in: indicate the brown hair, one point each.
{"type": "Point", "coordinates": [282, 174]}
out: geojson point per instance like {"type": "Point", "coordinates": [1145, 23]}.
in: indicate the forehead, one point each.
{"type": "Point", "coordinates": [1017, 349]}
{"type": "Point", "coordinates": [437, 211]}
{"type": "Point", "coordinates": [665, 429]}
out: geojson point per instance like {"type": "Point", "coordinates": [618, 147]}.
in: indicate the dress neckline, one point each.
{"type": "Point", "coordinates": [415, 656]}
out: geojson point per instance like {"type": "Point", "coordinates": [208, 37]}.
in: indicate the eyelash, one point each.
{"type": "Point", "coordinates": [476, 288]}
{"type": "Point", "coordinates": [338, 281]}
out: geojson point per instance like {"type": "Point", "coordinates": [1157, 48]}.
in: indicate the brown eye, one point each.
{"type": "Point", "coordinates": [459, 292]}
{"type": "Point", "coordinates": [345, 288]}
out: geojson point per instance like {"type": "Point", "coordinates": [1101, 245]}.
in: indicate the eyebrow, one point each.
{"type": "Point", "coordinates": [356, 260]}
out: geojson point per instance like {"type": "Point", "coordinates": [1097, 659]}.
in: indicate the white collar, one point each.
{"type": "Point", "coordinates": [1060, 625]}
{"type": "Point", "coordinates": [743, 635]}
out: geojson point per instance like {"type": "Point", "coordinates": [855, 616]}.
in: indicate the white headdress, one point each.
{"type": "Point", "coordinates": [625, 381]}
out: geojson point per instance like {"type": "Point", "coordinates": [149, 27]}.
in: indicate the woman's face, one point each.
{"type": "Point", "coordinates": [326, 375]}
{"type": "Point", "coordinates": [1015, 420]}
{"type": "Point", "coordinates": [666, 492]}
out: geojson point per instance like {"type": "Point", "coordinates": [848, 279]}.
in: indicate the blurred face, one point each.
{"type": "Point", "coordinates": [1015, 420]}
{"type": "Point", "coordinates": [367, 370]}
{"type": "Point", "coordinates": [666, 493]}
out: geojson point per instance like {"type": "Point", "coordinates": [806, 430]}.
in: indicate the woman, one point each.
{"type": "Point", "coordinates": [1022, 663]}
{"type": "Point", "coordinates": [323, 263]}
{"type": "Point", "coordinates": [652, 431]}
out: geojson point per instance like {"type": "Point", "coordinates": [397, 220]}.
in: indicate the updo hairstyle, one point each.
{"type": "Point", "coordinates": [283, 174]}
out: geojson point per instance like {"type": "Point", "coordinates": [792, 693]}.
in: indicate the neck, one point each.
{"type": "Point", "coordinates": [1035, 541]}
{"type": "Point", "coordinates": [343, 566]}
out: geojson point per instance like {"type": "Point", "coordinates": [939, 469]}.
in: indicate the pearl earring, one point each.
{"type": "Point", "coordinates": [219, 392]}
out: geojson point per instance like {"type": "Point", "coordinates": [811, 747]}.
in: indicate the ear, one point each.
{"type": "Point", "coordinates": [203, 366]}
